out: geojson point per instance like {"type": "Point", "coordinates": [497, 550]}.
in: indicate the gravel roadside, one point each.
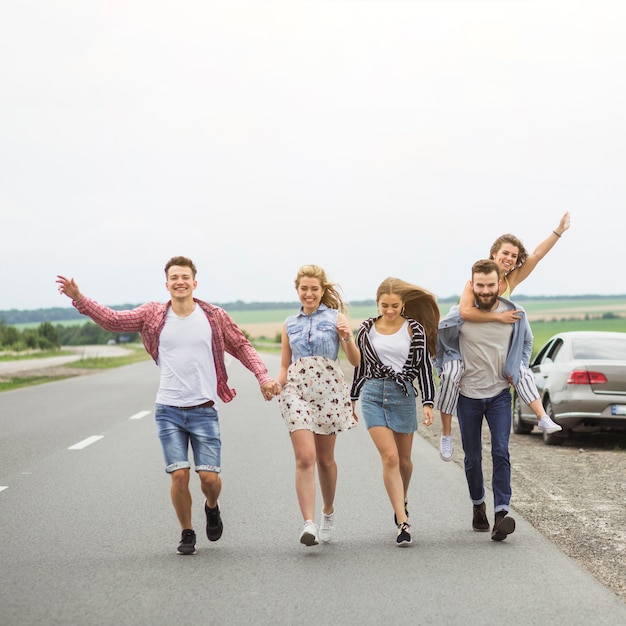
{"type": "Point", "coordinates": [574, 494]}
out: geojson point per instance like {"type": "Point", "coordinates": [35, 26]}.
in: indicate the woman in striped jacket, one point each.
{"type": "Point", "coordinates": [396, 349]}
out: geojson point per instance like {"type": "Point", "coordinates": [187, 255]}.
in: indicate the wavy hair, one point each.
{"type": "Point", "coordinates": [331, 297]}
{"type": "Point", "coordinates": [419, 304]}
{"type": "Point", "coordinates": [522, 253]}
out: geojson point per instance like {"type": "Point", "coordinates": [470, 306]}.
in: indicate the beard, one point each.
{"type": "Point", "coordinates": [486, 302]}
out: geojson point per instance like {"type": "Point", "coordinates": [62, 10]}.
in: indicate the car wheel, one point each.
{"type": "Point", "coordinates": [554, 439]}
{"type": "Point", "coordinates": [519, 427]}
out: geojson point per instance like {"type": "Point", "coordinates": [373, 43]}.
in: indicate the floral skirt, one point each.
{"type": "Point", "coordinates": [316, 397]}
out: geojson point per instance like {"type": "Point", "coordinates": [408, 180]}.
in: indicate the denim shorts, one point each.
{"type": "Point", "coordinates": [177, 428]}
{"type": "Point", "coordinates": [384, 403]}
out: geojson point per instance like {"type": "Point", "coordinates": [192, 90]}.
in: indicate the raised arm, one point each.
{"type": "Point", "coordinates": [516, 276]}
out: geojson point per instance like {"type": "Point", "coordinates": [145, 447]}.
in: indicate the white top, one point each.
{"type": "Point", "coordinates": [188, 375]}
{"type": "Point", "coordinates": [392, 350]}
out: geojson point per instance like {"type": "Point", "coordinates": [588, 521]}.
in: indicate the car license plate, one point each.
{"type": "Point", "coordinates": [618, 409]}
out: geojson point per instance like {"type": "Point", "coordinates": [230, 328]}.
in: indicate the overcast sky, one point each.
{"type": "Point", "coordinates": [372, 138]}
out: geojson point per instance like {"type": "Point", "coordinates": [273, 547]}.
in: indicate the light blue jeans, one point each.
{"type": "Point", "coordinates": [177, 428]}
{"type": "Point", "coordinates": [384, 403]}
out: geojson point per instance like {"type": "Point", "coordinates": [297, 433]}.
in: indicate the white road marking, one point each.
{"type": "Point", "coordinates": [85, 442]}
{"type": "Point", "coordinates": [3, 488]}
{"type": "Point", "coordinates": [138, 416]}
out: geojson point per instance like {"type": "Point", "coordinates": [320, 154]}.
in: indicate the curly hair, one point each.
{"type": "Point", "coordinates": [419, 304]}
{"type": "Point", "coordinates": [332, 292]}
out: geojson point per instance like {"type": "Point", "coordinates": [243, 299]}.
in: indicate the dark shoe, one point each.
{"type": "Point", "coordinates": [480, 523]}
{"type": "Point", "coordinates": [404, 534]}
{"type": "Point", "coordinates": [406, 512]}
{"type": "Point", "coordinates": [503, 526]}
{"type": "Point", "coordinates": [187, 543]}
{"type": "Point", "coordinates": [214, 526]}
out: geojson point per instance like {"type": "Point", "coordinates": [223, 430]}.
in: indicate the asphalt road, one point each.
{"type": "Point", "coordinates": [88, 535]}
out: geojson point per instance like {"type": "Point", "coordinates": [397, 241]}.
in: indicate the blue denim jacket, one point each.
{"type": "Point", "coordinates": [313, 335]}
{"type": "Point", "coordinates": [520, 347]}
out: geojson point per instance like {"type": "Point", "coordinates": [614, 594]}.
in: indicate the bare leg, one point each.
{"type": "Point", "coordinates": [385, 442]}
{"type": "Point", "coordinates": [404, 444]}
{"type": "Point", "coordinates": [303, 443]}
{"type": "Point", "coordinates": [446, 423]}
{"type": "Point", "coordinates": [211, 485]}
{"type": "Point", "coordinates": [327, 469]}
{"type": "Point", "coordinates": [181, 497]}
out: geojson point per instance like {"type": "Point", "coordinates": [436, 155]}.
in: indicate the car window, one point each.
{"type": "Point", "coordinates": [555, 349]}
{"type": "Point", "coordinates": [540, 356]}
{"type": "Point", "coordinates": [599, 348]}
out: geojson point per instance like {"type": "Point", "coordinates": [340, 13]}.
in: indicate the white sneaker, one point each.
{"type": "Point", "coordinates": [326, 527]}
{"type": "Point", "coordinates": [446, 449]}
{"type": "Point", "coordinates": [309, 536]}
{"type": "Point", "coordinates": [548, 426]}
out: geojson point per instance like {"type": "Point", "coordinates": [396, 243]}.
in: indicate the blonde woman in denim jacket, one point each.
{"type": "Point", "coordinates": [314, 398]}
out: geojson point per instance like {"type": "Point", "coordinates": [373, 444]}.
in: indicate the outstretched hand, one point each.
{"type": "Point", "coordinates": [68, 287]}
{"type": "Point", "coordinates": [564, 223]}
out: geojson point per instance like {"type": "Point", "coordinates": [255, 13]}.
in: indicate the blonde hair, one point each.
{"type": "Point", "coordinates": [332, 292]}
{"type": "Point", "coordinates": [419, 304]}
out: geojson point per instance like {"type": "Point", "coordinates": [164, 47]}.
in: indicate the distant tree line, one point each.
{"type": "Point", "coordinates": [48, 336]}
{"type": "Point", "coordinates": [62, 314]}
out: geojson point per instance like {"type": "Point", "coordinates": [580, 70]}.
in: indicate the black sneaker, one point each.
{"type": "Point", "coordinates": [187, 543]}
{"type": "Point", "coordinates": [214, 526]}
{"type": "Point", "coordinates": [503, 526]}
{"type": "Point", "coordinates": [404, 534]}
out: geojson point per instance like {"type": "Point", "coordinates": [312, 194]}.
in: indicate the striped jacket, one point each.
{"type": "Point", "coordinates": [418, 364]}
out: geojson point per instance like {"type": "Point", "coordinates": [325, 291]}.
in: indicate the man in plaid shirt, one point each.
{"type": "Point", "coordinates": [187, 338]}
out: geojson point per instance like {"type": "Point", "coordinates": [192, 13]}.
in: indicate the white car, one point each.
{"type": "Point", "coordinates": [581, 378]}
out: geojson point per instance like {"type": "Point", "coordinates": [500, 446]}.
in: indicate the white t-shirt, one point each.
{"type": "Point", "coordinates": [484, 348]}
{"type": "Point", "coordinates": [188, 375]}
{"type": "Point", "coordinates": [392, 350]}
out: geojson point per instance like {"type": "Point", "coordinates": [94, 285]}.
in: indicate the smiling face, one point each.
{"type": "Point", "coordinates": [486, 289]}
{"type": "Point", "coordinates": [180, 282]}
{"type": "Point", "coordinates": [310, 293]}
{"type": "Point", "coordinates": [390, 306]}
{"type": "Point", "coordinates": [507, 257]}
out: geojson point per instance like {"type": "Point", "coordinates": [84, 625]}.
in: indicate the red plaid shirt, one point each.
{"type": "Point", "coordinates": [149, 319]}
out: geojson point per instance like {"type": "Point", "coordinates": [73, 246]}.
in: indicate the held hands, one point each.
{"type": "Point", "coordinates": [270, 389]}
{"type": "Point", "coordinates": [68, 287]}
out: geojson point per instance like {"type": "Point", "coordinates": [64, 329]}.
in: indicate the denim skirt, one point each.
{"type": "Point", "coordinates": [384, 403]}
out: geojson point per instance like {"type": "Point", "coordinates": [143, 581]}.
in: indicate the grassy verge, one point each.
{"type": "Point", "coordinates": [93, 363]}
{"type": "Point", "coordinates": [99, 363]}
{"type": "Point", "coordinates": [27, 381]}
{"type": "Point", "coordinates": [22, 356]}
